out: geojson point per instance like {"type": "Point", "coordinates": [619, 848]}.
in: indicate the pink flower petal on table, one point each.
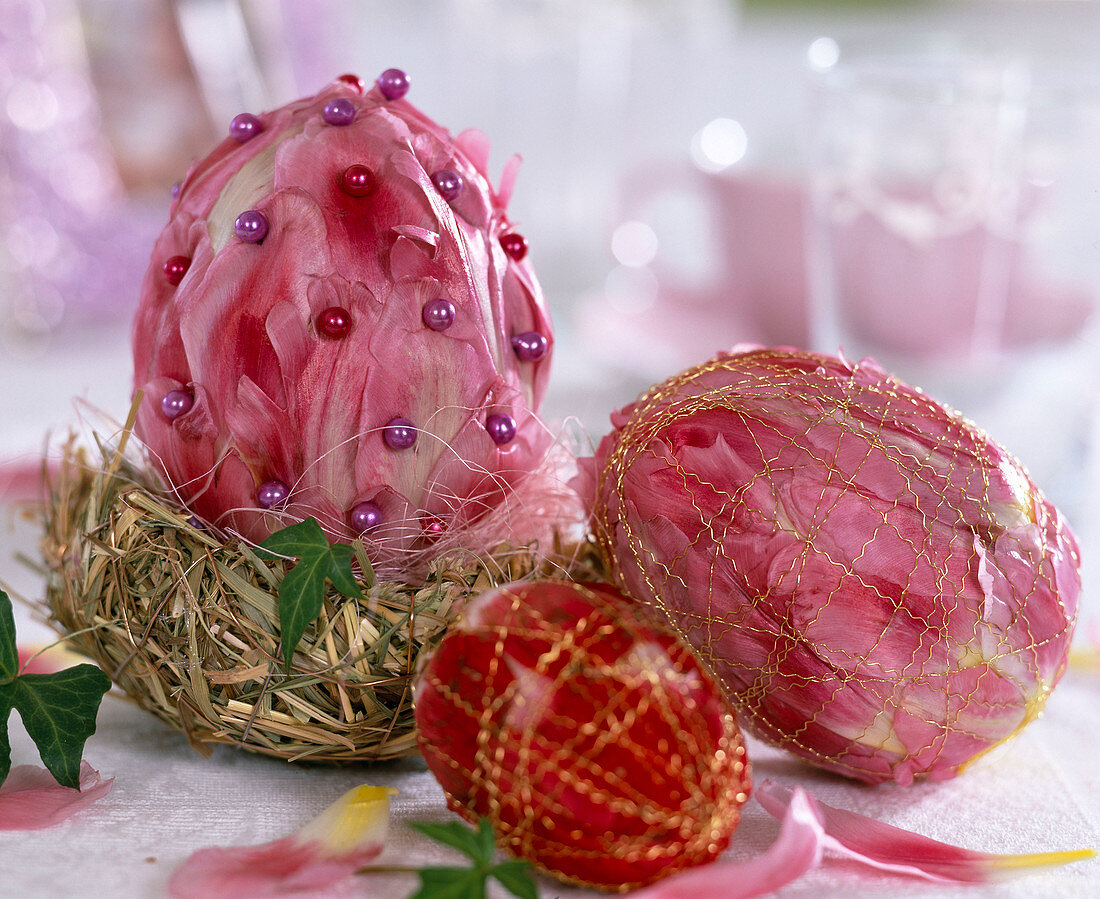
{"type": "Point", "coordinates": [30, 798]}
{"type": "Point", "coordinates": [330, 848]}
{"type": "Point", "coordinates": [796, 851]}
{"type": "Point", "coordinates": [21, 480]}
{"type": "Point", "coordinates": [890, 848]}
{"type": "Point", "coordinates": [46, 659]}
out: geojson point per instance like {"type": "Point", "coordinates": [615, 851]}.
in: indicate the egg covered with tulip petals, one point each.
{"type": "Point", "coordinates": [880, 586]}
{"type": "Point", "coordinates": [334, 325]}
{"type": "Point", "coordinates": [585, 731]}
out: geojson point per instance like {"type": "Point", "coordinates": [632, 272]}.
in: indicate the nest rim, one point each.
{"type": "Point", "coordinates": [186, 622]}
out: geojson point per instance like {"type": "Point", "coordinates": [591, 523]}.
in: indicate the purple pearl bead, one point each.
{"type": "Point", "coordinates": [502, 428]}
{"type": "Point", "coordinates": [176, 403]}
{"type": "Point", "coordinates": [197, 523]}
{"type": "Point", "coordinates": [340, 111]}
{"type": "Point", "coordinates": [439, 314]}
{"type": "Point", "coordinates": [272, 494]}
{"type": "Point", "coordinates": [530, 346]}
{"type": "Point", "coordinates": [399, 434]}
{"type": "Point", "coordinates": [251, 226]}
{"type": "Point", "coordinates": [365, 516]}
{"type": "Point", "coordinates": [244, 127]}
{"type": "Point", "coordinates": [448, 183]}
{"type": "Point", "coordinates": [175, 190]}
{"type": "Point", "coordinates": [393, 83]}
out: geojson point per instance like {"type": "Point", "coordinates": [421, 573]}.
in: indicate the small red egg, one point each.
{"type": "Point", "coordinates": [587, 733]}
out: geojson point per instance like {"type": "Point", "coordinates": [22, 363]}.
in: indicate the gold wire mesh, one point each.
{"type": "Point", "coordinates": [186, 623]}
{"type": "Point", "coordinates": [880, 587]}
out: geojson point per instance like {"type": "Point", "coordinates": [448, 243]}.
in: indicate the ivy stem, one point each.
{"type": "Point", "coordinates": [387, 869]}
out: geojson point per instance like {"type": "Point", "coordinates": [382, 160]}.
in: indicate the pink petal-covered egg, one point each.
{"type": "Point", "coordinates": [333, 266]}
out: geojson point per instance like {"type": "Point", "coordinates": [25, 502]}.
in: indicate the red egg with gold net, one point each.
{"type": "Point", "coordinates": [587, 733]}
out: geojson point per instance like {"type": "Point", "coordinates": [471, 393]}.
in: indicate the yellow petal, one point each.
{"type": "Point", "coordinates": [1039, 859]}
{"type": "Point", "coordinates": [356, 820]}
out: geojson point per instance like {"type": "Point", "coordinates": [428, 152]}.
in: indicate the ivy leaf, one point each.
{"type": "Point", "coordinates": [460, 837]}
{"type": "Point", "coordinates": [450, 883]}
{"type": "Point", "coordinates": [297, 540]}
{"type": "Point", "coordinates": [302, 590]}
{"type": "Point", "coordinates": [301, 595]}
{"type": "Point", "coordinates": [6, 706]}
{"type": "Point", "coordinates": [515, 876]}
{"type": "Point", "coordinates": [340, 572]}
{"type": "Point", "coordinates": [470, 883]}
{"type": "Point", "coordinates": [58, 709]}
{"type": "Point", "coordinates": [59, 712]}
{"type": "Point", "coordinates": [9, 654]}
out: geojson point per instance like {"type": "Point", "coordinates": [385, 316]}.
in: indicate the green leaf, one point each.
{"type": "Point", "coordinates": [486, 840]}
{"type": "Point", "coordinates": [469, 883]}
{"type": "Point", "coordinates": [301, 596]}
{"type": "Point", "coordinates": [298, 540]}
{"type": "Point", "coordinates": [340, 574]}
{"type": "Point", "coordinates": [58, 709]}
{"type": "Point", "coordinates": [59, 712]}
{"type": "Point", "coordinates": [458, 835]}
{"type": "Point", "coordinates": [515, 876]}
{"type": "Point", "coordinates": [9, 655]}
{"type": "Point", "coordinates": [302, 590]}
{"type": "Point", "coordinates": [451, 883]}
{"type": "Point", "coordinates": [6, 706]}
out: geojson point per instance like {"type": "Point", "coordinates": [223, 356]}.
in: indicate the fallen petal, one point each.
{"type": "Point", "coordinates": [21, 480]}
{"type": "Point", "coordinates": [890, 848]}
{"type": "Point", "coordinates": [46, 659]}
{"type": "Point", "coordinates": [30, 798]}
{"type": "Point", "coordinates": [795, 851]}
{"type": "Point", "coordinates": [330, 848]}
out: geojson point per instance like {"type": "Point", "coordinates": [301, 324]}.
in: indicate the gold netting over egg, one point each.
{"type": "Point", "coordinates": [880, 586]}
{"type": "Point", "coordinates": [185, 620]}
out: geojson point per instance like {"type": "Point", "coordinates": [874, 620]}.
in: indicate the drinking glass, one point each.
{"type": "Point", "coordinates": [954, 234]}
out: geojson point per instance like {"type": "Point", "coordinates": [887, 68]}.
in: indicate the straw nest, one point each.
{"type": "Point", "coordinates": [185, 620]}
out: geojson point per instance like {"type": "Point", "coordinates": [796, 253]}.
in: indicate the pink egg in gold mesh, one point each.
{"type": "Point", "coordinates": [880, 586]}
{"type": "Point", "coordinates": [332, 266]}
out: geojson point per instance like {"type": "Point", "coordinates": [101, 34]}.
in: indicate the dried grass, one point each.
{"type": "Point", "coordinates": [186, 622]}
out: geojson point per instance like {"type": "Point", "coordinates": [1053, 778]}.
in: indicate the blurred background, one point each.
{"type": "Point", "coordinates": [917, 181]}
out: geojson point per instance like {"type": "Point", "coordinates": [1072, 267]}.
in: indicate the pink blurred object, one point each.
{"type": "Point", "coordinates": [339, 322]}
{"type": "Point", "coordinates": [952, 223]}
{"type": "Point", "coordinates": [30, 798]}
{"type": "Point", "coordinates": [880, 586]}
{"type": "Point", "coordinates": [752, 287]}
{"type": "Point", "coordinates": [756, 289]}
{"type": "Point", "coordinates": [915, 286]}
{"type": "Point", "coordinates": [33, 660]}
{"type": "Point", "coordinates": [21, 480]}
{"type": "Point", "coordinates": [70, 240]}
{"type": "Point", "coordinates": [46, 659]}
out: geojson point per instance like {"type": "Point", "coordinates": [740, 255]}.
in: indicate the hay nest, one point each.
{"type": "Point", "coordinates": [185, 620]}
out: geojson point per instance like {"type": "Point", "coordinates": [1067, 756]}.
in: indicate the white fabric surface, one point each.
{"type": "Point", "coordinates": [1041, 792]}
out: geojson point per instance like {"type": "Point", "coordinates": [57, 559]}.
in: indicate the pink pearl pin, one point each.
{"type": "Point", "coordinates": [334, 322]}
